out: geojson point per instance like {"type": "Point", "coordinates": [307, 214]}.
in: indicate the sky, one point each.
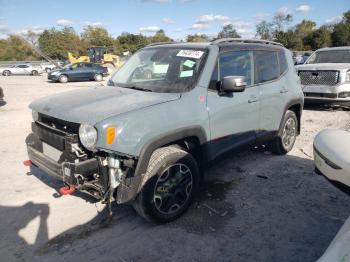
{"type": "Point", "coordinates": [177, 17]}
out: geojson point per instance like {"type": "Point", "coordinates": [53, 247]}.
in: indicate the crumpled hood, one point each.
{"type": "Point", "coordinates": [94, 104]}
{"type": "Point", "coordinates": [324, 66]}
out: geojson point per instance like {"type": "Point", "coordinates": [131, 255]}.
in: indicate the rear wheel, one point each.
{"type": "Point", "coordinates": [6, 73]}
{"type": "Point", "coordinates": [63, 79]}
{"type": "Point", "coordinates": [174, 178]}
{"type": "Point", "coordinates": [285, 140]}
{"type": "Point", "coordinates": [98, 77]}
{"type": "Point", "coordinates": [34, 73]}
{"type": "Point", "coordinates": [47, 70]}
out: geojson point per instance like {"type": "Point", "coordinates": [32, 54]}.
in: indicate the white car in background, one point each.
{"type": "Point", "coordinates": [48, 67]}
{"type": "Point", "coordinates": [332, 160]}
{"type": "Point", "coordinates": [21, 69]}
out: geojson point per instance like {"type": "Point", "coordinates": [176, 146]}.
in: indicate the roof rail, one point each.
{"type": "Point", "coordinates": [161, 43]}
{"type": "Point", "coordinates": [242, 40]}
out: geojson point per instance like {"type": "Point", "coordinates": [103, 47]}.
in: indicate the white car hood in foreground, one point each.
{"type": "Point", "coordinates": [339, 249]}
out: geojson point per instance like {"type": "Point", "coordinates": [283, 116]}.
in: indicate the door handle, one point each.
{"type": "Point", "coordinates": [283, 91]}
{"type": "Point", "coordinates": [253, 99]}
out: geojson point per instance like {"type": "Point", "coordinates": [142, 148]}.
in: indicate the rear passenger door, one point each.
{"type": "Point", "coordinates": [234, 117]}
{"type": "Point", "coordinates": [88, 71]}
{"type": "Point", "coordinates": [273, 88]}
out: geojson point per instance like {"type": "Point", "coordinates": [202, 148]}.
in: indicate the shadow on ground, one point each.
{"type": "Point", "coordinates": [252, 206]}
{"type": "Point", "coordinates": [326, 107]}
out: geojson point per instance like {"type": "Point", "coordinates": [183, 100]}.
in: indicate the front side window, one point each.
{"type": "Point", "coordinates": [267, 67]}
{"type": "Point", "coordinates": [237, 63]}
{"type": "Point", "coordinates": [330, 56]}
{"type": "Point", "coordinates": [87, 65]}
{"type": "Point", "coordinates": [161, 69]}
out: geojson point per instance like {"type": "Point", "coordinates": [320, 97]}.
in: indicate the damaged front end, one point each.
{"type": "Point", "coordinates": [54, 147]}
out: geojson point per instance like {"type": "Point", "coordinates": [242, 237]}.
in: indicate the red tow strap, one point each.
{"type": "Point", "coordinates": [67, 190]}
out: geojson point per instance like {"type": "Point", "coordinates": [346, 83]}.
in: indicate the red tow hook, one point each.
{"type": "Point", "coordinates": [27, 162]}
{"type": "Point", "coordinates": [67, 190]}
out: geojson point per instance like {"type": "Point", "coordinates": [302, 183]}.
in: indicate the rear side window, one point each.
{"type": "Point", "coordinates": [282, 61]}
{"type": "Point", "coordinates": [237, 63]}
{"type": "Point", "coordinates": [88, 65]}
{"type": "Point", "coordinates": [267, 66]}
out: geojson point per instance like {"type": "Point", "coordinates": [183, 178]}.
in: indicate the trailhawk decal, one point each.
{"type": "Point", "coordinates": [190, 53]}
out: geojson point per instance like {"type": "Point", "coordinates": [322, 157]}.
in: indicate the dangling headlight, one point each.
{"type": "Point", "coordinates": [88, 136]}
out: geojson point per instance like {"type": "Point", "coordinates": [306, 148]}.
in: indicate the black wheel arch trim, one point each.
{"type": "Point", "coordinates": [128, 192]}
{"type": "Point", "coordinates": [166, 139]}
{"type": "Point", "coordinates": [294, 102]}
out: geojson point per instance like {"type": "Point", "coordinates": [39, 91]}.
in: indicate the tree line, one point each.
{"type": "Point", "coordinates": [57, 42]}
{"type": "Point", "coordinates": [305, 35]}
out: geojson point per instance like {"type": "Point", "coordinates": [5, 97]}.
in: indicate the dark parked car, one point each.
{"type": "Point", "coordinates": [2, 102]}
{"type": "Point", "coordinates": [78, 72]}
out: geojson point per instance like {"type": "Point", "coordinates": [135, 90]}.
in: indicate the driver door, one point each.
{"type": "Point", "coordinates": [234, 117]}
{"type": "Point", "coordinates": [76, 71]}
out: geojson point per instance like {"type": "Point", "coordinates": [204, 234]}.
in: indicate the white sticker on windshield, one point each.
{"type": "Point", "coordinates": [190, 53]}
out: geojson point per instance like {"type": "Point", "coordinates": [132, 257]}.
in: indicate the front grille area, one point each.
{"type": "Point", "coordinates": [50, 136]}
{"type": "Point", "coordinates": [324, 95]}
{"type": "Point", "coordinates": [56, 132]}
{"type": "Point", "coordinates": [62, 125]}
{"type": "Point", "coordinates": [326, 77]}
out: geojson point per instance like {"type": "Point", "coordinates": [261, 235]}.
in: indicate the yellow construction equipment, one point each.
{"type": "Point", "coordinates": [98, 55]}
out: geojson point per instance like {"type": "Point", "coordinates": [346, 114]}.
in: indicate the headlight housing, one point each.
{"type": "Point", "coordinates": [35, 115]}
{"type": "Point", "coordinates": [347, 76]}
{"type": "Point", "coordinates": [88, 136]}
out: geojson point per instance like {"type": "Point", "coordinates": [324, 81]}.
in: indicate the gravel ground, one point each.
{"type": "Point", "coordinates": [253, 206]}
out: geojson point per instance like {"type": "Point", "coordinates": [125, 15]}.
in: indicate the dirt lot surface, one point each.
{"type": "Point", "coordinates": [253, 206]}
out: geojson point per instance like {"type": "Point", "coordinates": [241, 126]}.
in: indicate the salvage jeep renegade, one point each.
{"type": "Point", "coordinates": [170, 109]}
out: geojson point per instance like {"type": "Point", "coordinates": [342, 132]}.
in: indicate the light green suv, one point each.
{"type": "Point", "coordinates": [167, 112]}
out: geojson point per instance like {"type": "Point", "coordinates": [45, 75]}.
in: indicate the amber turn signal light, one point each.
{"type": "Point", "coordinates": [110, 135]}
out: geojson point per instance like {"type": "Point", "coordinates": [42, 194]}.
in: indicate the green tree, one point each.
{"type": "Point", "coordinates": [56, 43]}
{"type": "Point", "coordinates": [305, 28]}
{"type": "Point", "coordinates": [131, 42]}
{"type": "Point", "coordinates": [289, 39]}
{"type": "Point", "coordinates": [160, 36]}
{"type": "Point", "coordinates": [341, 32]}
{"type": "Point", "coordinates": [96, 36]}
{"type": "Point", "coordinates": [319, 38]}
{"type": "Point", "coordinates": [15, 48]}
{"type": "Point", "coordinates": [197, 38]}
{"type": "Point", "coordinates": [263, 30]}
{"type": "Point", "coordinates": [228, 31]}
{"type": "Point", "coordinates": [281, 20]}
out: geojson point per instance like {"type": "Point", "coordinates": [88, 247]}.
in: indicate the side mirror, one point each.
{"type": "Point", "coordinates": [233, 84]}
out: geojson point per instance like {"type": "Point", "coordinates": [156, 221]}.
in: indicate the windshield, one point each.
{"type": "Point", "coordinates": [161, 69]}
{"type": "Point", "coordinates": [334, 56]}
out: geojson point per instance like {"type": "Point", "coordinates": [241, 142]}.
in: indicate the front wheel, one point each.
{"type": "Point", "coordinates": [173, 179]}
{"type": "Point", "coordinates": [287, 135]}
{"type": "Point", "coordinates": [34, 73]}
{"type": "Point", "coordinates": [98, 77]}
{"type": "Point", "coordinates": [63, 79]}
{"type": "Point", "coordinates": [6, 73]}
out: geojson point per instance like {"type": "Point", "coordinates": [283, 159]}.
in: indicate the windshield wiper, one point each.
{"type": "Point", "coordinates": [138, 88]}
